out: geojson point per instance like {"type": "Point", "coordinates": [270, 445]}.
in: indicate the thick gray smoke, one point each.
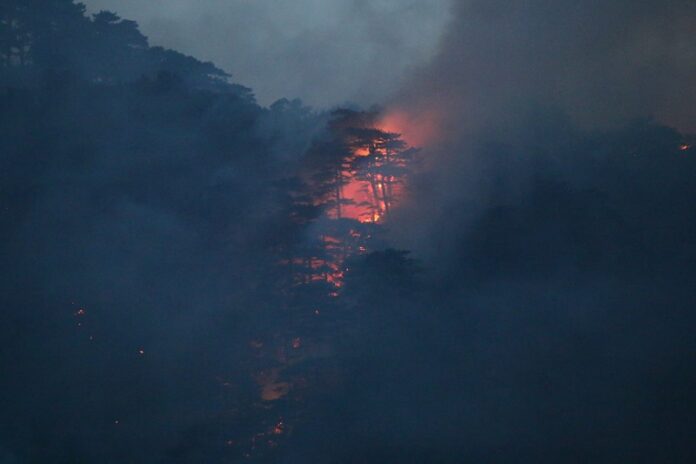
{"type": "Point", "coordinates": [601, 62]}
{"type": "Point", "coordinates": [555, 217]}
{"type": "Point", "coordinates": [503, 65]}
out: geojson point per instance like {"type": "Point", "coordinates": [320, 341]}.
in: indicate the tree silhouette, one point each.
{"type": "Point", "coordinates": [127, 46]}
{"type": "Point", "coordinates": [56, 36]}
{"type": "Point", "coordinates": [57, 30]}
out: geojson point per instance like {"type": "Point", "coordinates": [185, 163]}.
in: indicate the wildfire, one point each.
{"type": "Point", "coordinates": [354, 189]}
{"type": "Point", "coordinates": [417, 129]}
{"type": "Point", "coordinates": [364, 186]}
{"type": "Point", "coordinates": [358, 191]}
{"type": "Point", "coordinates": [361, 206]}
{"type": "Point", "coordinates": [369, 192]}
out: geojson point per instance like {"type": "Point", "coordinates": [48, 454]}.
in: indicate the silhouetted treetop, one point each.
{"type": "Point", "coordinates": [57, 37]}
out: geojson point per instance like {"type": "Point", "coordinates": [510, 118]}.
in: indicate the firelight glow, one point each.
{"type": "Point", "coordinates": [417, 129]}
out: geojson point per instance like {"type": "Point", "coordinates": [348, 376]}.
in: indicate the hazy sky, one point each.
{"type": "Point", "coordinates": [326, 52]}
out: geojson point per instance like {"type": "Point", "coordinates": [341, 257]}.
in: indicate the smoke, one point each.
{"type": "Point", "coordinates": [552, 215]}
{"type": "Point", "coordinates": [324, 52]}
{"type": "Point", "coordinates": [516, 72]}
{"type": "Point", "coordinates": [601, 63]}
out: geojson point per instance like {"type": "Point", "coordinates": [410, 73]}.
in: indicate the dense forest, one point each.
{"type": "Point", "coordinates": [188, 276]}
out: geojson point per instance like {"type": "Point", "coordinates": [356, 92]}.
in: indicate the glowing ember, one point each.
{"type": "Point", "coordinates": [684, 147]}
{"type": "Point", "coordinates": [279, 428]}
{"type": "Point", "coordinates": [362, 152]}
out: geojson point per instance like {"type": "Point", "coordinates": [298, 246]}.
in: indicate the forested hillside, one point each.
{"type": "Point", "coordinates": [190, 277]}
